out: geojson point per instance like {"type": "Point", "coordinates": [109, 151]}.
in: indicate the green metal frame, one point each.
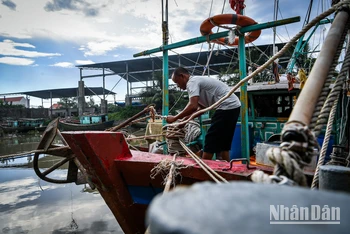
{"type": "Point", "coordinates": [301, 44]}
{"type": "Point", "coordinates": [242, 58]}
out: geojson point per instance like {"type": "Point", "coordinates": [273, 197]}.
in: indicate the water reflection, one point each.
{"type": "Point", "coordinates": [30, 205]}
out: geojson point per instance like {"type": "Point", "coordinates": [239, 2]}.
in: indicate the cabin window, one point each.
{"type": "Point", "coordinates": [273, 105]}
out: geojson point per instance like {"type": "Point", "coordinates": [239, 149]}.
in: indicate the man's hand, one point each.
{"type": "Point", "coordinates": [170, 119]}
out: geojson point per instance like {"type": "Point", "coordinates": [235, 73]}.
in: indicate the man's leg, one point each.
{"type": "Point", "coordinates": [207, 155]}
{"type": "Point", "coordinates": [225, 155]}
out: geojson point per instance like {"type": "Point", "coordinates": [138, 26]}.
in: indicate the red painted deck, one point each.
{"type": "Point", "coordinates": [113, 167]}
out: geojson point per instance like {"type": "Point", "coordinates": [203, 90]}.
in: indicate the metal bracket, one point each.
{"type": "Point", "coordinates": [239, 160]}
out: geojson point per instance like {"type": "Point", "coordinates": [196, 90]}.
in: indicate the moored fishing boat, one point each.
{"type": "Point", "coordinates": [87, 123]}
{"type": "Point", "coordinates": [23, 125]}
{"type": "Point", "coordinates": [123, 176]}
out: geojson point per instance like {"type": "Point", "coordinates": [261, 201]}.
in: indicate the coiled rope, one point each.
{"type": "Point", "coordinates": [325, 90]}
{"type": "Point", "coordinates": [333, 95]}
{"type": "Point", "coordinates": [293, 155]}
{"type": "Point", "coordinates": [188, 134]}
{"type": "Point", "coordinates": [330, 106]}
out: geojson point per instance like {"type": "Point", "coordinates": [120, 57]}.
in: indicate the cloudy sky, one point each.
{"type": "Point", "coordinates": [41, 41]}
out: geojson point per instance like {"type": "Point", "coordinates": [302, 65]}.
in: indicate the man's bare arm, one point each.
{"type": "Point", "coordinates": [190, 108]}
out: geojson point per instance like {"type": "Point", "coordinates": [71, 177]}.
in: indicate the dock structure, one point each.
{"type": "Point", "coordinates": [79, 92]}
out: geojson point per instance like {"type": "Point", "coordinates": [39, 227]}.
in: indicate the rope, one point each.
{"type": "Point", "coordinates": [266, 64]}
{"type": "Point", "coordinates": [169, 178]}
{"type": "Point", "coordinates": [145, 137]}
{"type": "Point", "coordinates": [189, 133]}
{"type": "Point", "coordinates": [331, 103]}
{"type": "Point", "coordinates": [290, 157]}
{"type": "Point", "coordinates": [333, 95]}
{"type": "Point", "coordinates": [325, 90]}
{"type": "Point", "coordinates": [169, 170]}
{"type": "Point", "coordinates": [324, 146]}
{"type": "Point", "coordinates": [213, 174]}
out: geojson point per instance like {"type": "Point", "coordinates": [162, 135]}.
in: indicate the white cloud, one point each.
{"type": "Point", "coordinates": [83, 62]}
{"type": "Point", "coordinates": [99, 48]}
{"type": "Point", "coordinates": [16, 61]}
{"type": "Point", "coordinates": [63, 64]}
{"type": "Point", "coordinates": [8, 48]}
{"type": "Point", "coordinates": [18, 190]}
{"type": "Point", "coordinates": [100, 27]}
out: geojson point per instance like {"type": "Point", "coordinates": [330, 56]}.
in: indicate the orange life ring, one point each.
{"type": "Point", "coordinates": [241, 20]}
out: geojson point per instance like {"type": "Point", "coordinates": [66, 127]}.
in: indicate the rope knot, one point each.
{"type": "Point", "coordinates": [237, 30]}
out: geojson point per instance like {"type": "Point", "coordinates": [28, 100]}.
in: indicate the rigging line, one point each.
{"type": "Point", "coordinates": [191, 60]}
{"type": "Point", "coordinates": [280, 37]}
{"type": "Point", "coordinates": [169, 62]}
{"type": "Point", "coordinates": [200, 51]}
{"type": "Point", "coordinates": [344, 120]}
{"type": "Point", "coordinates": [262, 52]}
{"type": "Point", "coordinates": [212, 48]}
{"type": "Point", "coordinates": [228, 67]}
{"type": "Point", "coordinates": [208, 61]}
{"type": "Point", "coordinates": [308, 13]}
{"type": "Point", "coordinates": [176, 3]}
{"type": "Point", "coordinates": [223, 7]}
{"type": "Point", "coordinates": [249, 61]}
{"type": "Point", "coordinates": [269, 62]}
{"type": "Point", "coordinates": [162, 11]}
{"type": "Point", "coordinates": [211, 7]}
{"type": "Point", "coordinates": [285, 27]}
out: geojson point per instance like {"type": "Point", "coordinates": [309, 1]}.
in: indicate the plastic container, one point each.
{"type": "Point", "coordinates": [236, 146]}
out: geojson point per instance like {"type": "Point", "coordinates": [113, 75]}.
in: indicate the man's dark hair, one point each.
{"type": "Point", "coordinates": [180, 70]}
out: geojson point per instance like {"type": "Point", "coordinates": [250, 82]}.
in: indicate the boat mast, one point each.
{"type": "Point", "coordinates": [245, 152]}
{"type": "Point", "coordinates": [165, 30]}
{"type": "Point", "coordinates": [165, 93]}
{"type": "Point", "coordinates": [275, 14]}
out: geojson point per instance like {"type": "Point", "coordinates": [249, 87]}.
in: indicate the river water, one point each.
{"type": "Point", "coordinates": [30, 205]}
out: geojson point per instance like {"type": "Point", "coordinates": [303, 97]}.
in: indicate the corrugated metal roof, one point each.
{"type": "Point", "coordinates": [141, 69]}
{"type": "Point", "coordinates": [12, 99]}
{"type": "Point", "coordinates": [61, 93]}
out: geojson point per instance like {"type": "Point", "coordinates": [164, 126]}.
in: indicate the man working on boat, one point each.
{"type": "Point", "coordinates": [204, 91]}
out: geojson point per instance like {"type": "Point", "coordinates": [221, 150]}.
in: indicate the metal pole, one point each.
{"type": "Point", "coordinates": [165, 105]}
{"type": "Point", "coordinates": [244, 99]}
{"type": "Point", "coordinates": [103, 76]}
{"type": "Point", "coordinates": [127, 86]}
{"type": "Point", "coordinates": [304, 108]}
{"type": "Point", "coordinates": [213, 36]}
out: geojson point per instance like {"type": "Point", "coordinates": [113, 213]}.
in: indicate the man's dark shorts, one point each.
{"type": "Point", "coordinates": [222, 128]}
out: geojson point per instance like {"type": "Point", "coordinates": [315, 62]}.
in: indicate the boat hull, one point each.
{"type": "Point", "coordinates": [21, 129]}
{"type": "Point", "coordinates": [85, 127]}
{"type": "Point", "coordinates": [123, 177]}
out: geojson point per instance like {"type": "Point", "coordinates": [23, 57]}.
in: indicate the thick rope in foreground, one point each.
{"type": "Point", "coordinates": [333, 95]}
{"type": "Point", "coordinates": [270, 61]}
{"type": "Point", "coordinates": [326, 87]}
{"type": "Point", "coordinates": [213, 174]}
{"type": "Point", "coordinates": [322, 156]}
{"type": "Point", "coordinates": [290, 157]}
